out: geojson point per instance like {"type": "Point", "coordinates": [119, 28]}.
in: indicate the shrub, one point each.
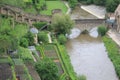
{"type": "Point", "coordinates": [62, 39]}
{"type": "Point", "coordinates": [47, 69]}
{"type": "Point", "coordinates": [43, 37]}
{"type": "Point", "coordinates": [24, 42]}
{"type": "Point", "coordinates": [102, 30]}
{"type": "Point", "coordinates": [39, 24]}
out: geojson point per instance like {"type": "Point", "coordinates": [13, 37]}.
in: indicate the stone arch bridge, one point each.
{"type": "Point", "coordinates": [20, 16]}
{"type": "Point", "coordinates": [88, 24]}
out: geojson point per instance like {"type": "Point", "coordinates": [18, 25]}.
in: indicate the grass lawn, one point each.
{"type": "Point", "coordinates": [54, 5]}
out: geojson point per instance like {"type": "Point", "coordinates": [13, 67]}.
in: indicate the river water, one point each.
{"type": "Point", "coordinates": [89, 57]}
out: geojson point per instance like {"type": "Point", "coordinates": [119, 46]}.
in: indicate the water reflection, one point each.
{"type": "Point", "coordinates": [93, 32]}
{"type": "Point", "coordinates": [75, 32]}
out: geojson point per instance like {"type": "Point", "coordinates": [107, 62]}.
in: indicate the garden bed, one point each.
{"type": "Point", "coordinates": [60, 69]}
{"type": "Point", "coordinates": [20, 72]}
{"type": "Point", "coordinates": [5, 71]}
{"type": "Point", "coordinates": [50, 51]}
{"type": "Point", "coordinates": [32, 71]}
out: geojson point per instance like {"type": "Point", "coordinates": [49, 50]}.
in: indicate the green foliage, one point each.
{"type": "Point", "coordinates": [66, 61]}
{"type": "Point", "coordinates": [47, 69]}
{"type": "Point", "coordinates": [25, 53]}
{"type": "Point", "coordinates": [24, 42]}
{"type": "Point", "coordinates": [99, 2]}
{"type": "Point", "coordinates": [82, 77]}
{"type": "Point", "coordinates": [39, 25]}
{"type": "Point", "coordinates": [113, 52]}
{"type": "Point", "coordinates": [9, 35]}
{"type": "Point", "coordinates": [30, 38]}
{"type": "Point", "coordinates": [19, 3]}
{"type": "Point", "coordinates": [43, 37]}
{"type": "Point", "coordinates": [62, 24]}
{"type": "Point", "coordinates": [73, 3]}
{"type": "Point", "coordinates": [110, 5]}
{"type": "Point", "coordinates": [40, 5]}
{"type": "Point", "coordinates": [62, 39]}
{"type": "Point", "coordinates": [102, 30]}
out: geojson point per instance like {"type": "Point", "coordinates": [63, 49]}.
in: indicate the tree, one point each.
{"type": "Point", "coordinates": [73, 3]}
{"type": "Point", "coordinates": [62, 24]}
{"type": "Point", "coordinates": [110, 6]}
{"type": "Point", "coordinates": [47, 69]}
{"type": "Point", "coordinates": [99, 2]}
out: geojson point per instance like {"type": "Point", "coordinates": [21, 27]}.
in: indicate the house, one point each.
{"type": "Point", "coordinates": [117, 18]}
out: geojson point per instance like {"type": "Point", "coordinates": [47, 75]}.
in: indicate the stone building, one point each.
{"type": "Point", "coordinates": [117, 18]}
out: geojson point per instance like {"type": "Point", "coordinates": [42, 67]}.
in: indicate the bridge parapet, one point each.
{"type": "Point", "coordinates": [90, 20]}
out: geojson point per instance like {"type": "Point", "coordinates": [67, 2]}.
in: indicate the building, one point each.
{"type": "Point", "coordinates": [117, 18]}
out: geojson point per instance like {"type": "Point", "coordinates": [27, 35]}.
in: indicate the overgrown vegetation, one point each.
{"type": "Point", "coordinates": [102, 30]}
{"type": "Point", "coordinates": [113, 52]}
{"type": "Point", "coordinates": [47, 69]}
{"type": "Point", "coordinates": [43, 37]}
{"type": "Point", "coordinates": [73, 3]}
{"type": "Point", "coordinates": [61, 24]}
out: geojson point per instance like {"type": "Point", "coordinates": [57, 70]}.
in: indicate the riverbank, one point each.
{"type": "Point", "coordinates": [113, 53]}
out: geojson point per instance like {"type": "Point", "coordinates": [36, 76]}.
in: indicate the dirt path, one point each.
{"type": "Point", "coordinates": [69, 9]}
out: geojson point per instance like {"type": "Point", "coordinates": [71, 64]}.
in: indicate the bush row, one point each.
{"type": "Point", "coordinates": [113, 52]}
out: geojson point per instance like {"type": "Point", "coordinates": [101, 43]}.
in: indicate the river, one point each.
{"type": "Point", "coordinates": [89, 57]}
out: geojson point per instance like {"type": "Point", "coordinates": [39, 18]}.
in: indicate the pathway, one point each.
{"type": "Point", "coordinates": [114, 35]}
{"type": "Point", "coordinates": [69, 9]}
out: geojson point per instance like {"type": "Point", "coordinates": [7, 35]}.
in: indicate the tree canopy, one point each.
{"type": "Point", "coordinates": [62, 24]}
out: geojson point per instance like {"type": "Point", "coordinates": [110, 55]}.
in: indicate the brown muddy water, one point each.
{"type": "Point", "coordinates": [87, 52]}
{"type": "Point", "coordinates": [89, 57]}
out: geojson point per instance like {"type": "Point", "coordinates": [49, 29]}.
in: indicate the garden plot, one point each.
{"type": "Point", "coordinates": [60, 69]}
{"type": "Point", "coordinates": [5, 71]}
{"type": "Point", "coordinates": [50, 51]}
{"type": "Point", "coordinates": [21, 70]}
{"type": "Point", "coordinates": [32, 71]}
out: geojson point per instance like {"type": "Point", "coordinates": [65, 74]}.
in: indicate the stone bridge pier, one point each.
{"type": "Point", "coordinates": [88, 24]}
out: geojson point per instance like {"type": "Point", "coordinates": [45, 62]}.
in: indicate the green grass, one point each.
{"type": "Point", "coordinates": [66, 61]}
{"type": "Point", "coordinates": [54, 5]}
{"type": "Point", "coordinates": [31, 10]}
{"type": "Point", "coordinates": [113, 53]}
